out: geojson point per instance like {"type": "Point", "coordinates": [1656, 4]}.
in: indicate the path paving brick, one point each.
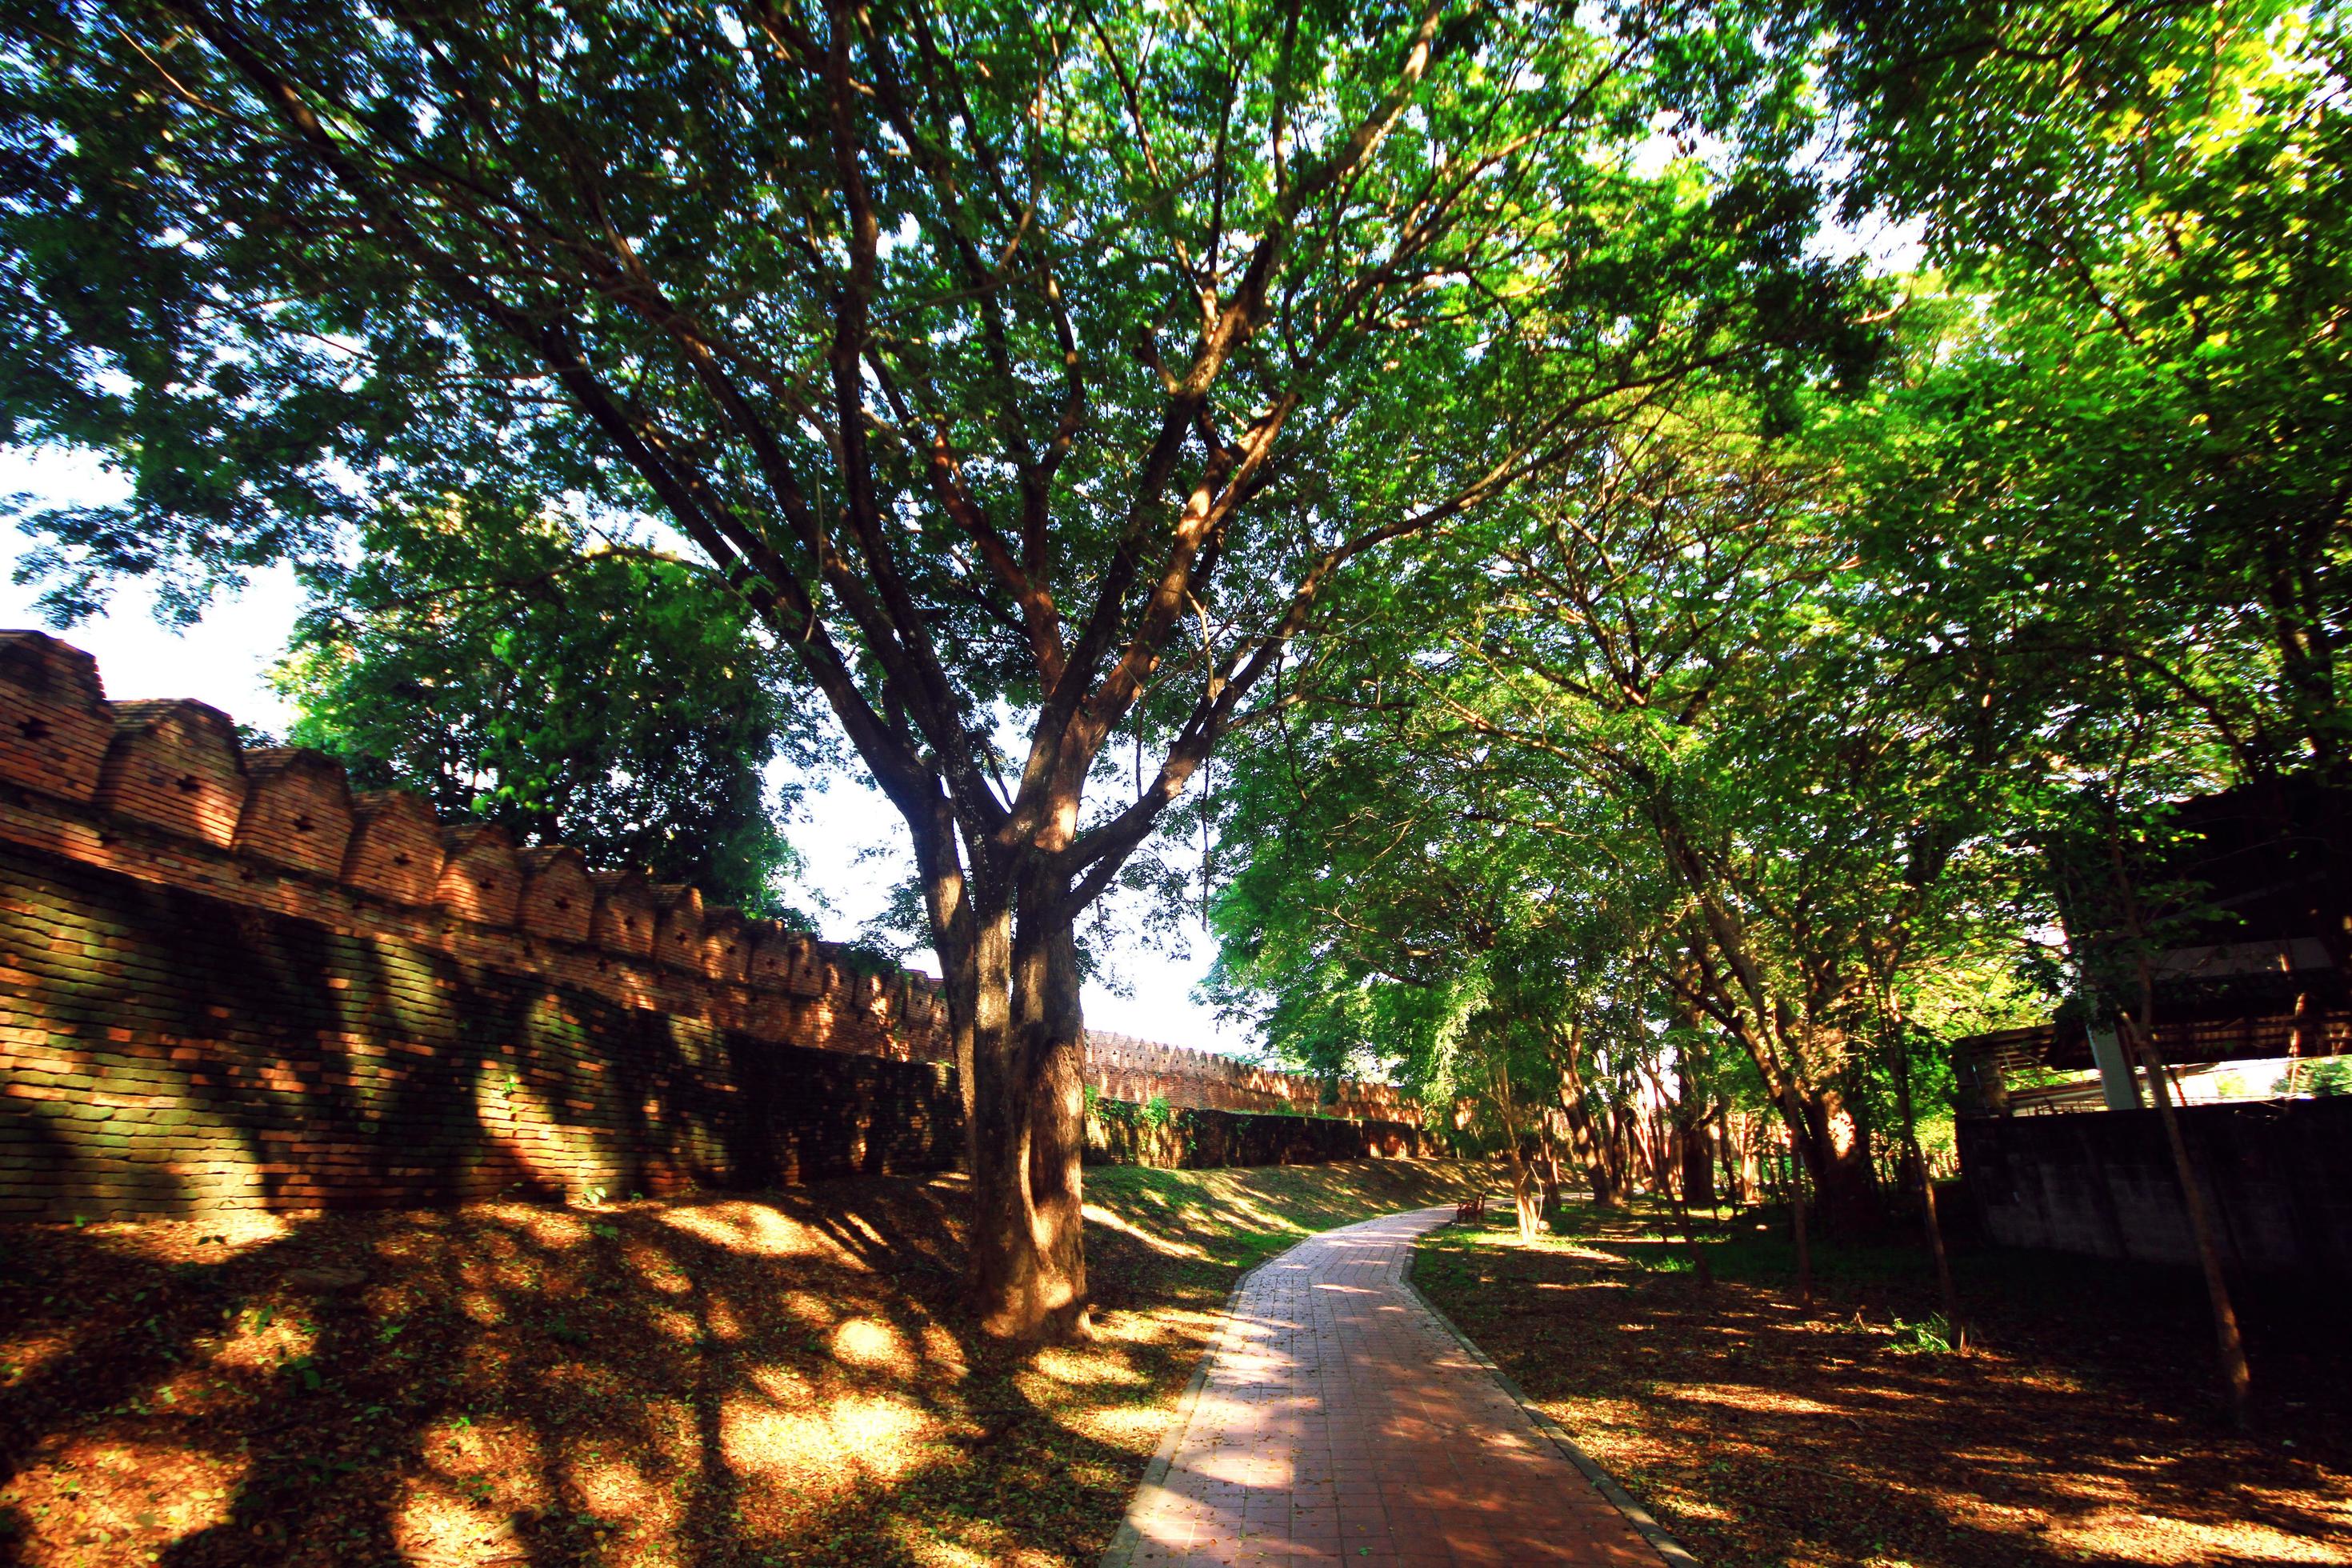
{"type": "Point", "coordinates": [1340, 1423]}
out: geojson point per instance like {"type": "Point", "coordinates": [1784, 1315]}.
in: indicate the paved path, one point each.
{"type": "Point", "coordinates": [1339, 1422]}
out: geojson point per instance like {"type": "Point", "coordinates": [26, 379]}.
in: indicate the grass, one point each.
{"type": "Point", "coordinates": [719, 1381]}
{"type": "Point", "coordinates": [2082, 1429]}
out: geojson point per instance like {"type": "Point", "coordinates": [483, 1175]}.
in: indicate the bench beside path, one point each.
{"type": "Point", "coordinates": [1337, 1418]}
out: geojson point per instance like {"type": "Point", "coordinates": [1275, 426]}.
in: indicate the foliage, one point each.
{"type": "Point", "coordinates": [1930, 1335]}
{"type": "Point", "coordinates": [1658, 803]}
{"type": "Point", "coordinates": [1036, 374]}
{"type": "Point", "coordinates": [2328, 1076]}
{"type": "Point", "coordinates": [1780, 740]}
{"type": "Point", "coordinates": [610, 698]}
{"type": "Point", "coordinates": [2122, 456]}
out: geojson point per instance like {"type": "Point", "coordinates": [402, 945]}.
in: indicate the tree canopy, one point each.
{"type": "Point", "coordinates": [1621, 614]}
{"type": "Point", "coordinates": [1033, 374]}
{"type": "Point", "coordinates": [1777, 745]}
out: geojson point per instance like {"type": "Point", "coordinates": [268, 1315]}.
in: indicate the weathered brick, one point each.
{"type": "Point", "coordinates": [678, 932]}
{"type": "Point", "coordinates": [481, 879]}
{"type": "Point", "coordinates": [298, 810]}
{"type": "Point", "coordinates": [174, 765]}
{"type": "Point", "coordinates": [559, 902]}
{"type": "Point", "coordinates": [395, 848]}
{"type": "Point", "coordinates": [55, 726]}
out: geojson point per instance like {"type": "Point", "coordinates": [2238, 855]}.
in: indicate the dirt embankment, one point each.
{"type": "Point", "coordinates": [715, 1381]}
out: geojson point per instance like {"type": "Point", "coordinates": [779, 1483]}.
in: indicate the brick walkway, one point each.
{"type": "Point", "coordinates": [1339, 1422]}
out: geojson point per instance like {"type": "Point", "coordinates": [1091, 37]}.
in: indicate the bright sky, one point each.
{"type": "Point", "coordinates": [224, 660]}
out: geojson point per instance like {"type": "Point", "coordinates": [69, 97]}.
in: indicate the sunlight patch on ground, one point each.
{"type": "Point", "coordinates": [221, 1236]}
{"type": "Point", "coordinates": [2338, 1513]}
{"type": "Point", "coordinates": [788, 1446]}
{"type": "Point", "coordinates": [672, 1323]}
{"type": "Point", "coordinates": [2161, 1539]}
{"type": "Point", "coordinates": [129, 1498]}
{"type": "Point", "coordinates": [973, 1546]}
{"type": "Point", "coordinates": [814, 1314]}
{"type": "Point", "coordinates": [1085, 1369]}
{"type": "Point", "coordinates": [947, 1553]}
{"type": "Point", "coordinates": [780, 1384]}
{"type": "Point", "coordinates": [435, 1524]}
{"type": "Point", "coordinates": [1097, 1214]}
{"type": "Point", "coordinates": [1137, 1428]}
{"type": "Point", "coordinates": [1759, 1400]}
{"type": "Point", "coordinates": [479, 1458]}
{"type": "Point", "coordinates": [264, 1339]}
{"type": "Point", "coordinates": [482, 1306]}
{"type": "Point", "coordinates": [615, 1490]}
{"type": "Point", "coordinates": [552, 1226]}
{"type": "Point", "coordinates": [749, 1227]}
{"type": "Point", "coordinates": [25, 1356]}
{"type": "Point", "coordinates": [720, 1323]}
{"type": "Point", "coordinates": [869, 1344]}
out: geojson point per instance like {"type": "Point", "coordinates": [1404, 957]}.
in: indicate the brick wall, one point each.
{"type": "Point", "coordinates": [2277, 1177]}
{"type": "Point", "coordinates": [226, 979]}
{"type": "Point", "coordinates": [1123, 1068]}
{"type": "Point", "coordinates": [1191, 1138]}
{"type": "Point", "coordinates": [165, 1052]}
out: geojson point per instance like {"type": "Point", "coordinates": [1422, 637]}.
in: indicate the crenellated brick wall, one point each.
{"type": "Point", "coordinates": [1122, 1067]}
{"type": "Point", "coordinates": [226, 978]}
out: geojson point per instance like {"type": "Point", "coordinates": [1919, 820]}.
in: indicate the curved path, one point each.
{"type": "Point", "coordinates": [1338, 1419]}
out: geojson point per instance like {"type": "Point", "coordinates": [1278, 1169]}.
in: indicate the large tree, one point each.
{"type": "Point", "coordinates": [1031, 372]}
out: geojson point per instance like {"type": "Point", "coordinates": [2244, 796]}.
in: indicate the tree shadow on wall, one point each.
{"type": "Point", "coordinates": [288, 1064]}
{"type": "Point", "coordinates": [711, 1380]}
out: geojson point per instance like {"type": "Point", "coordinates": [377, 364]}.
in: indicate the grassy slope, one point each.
{"type": "Point", "coordinates": [1763, 1434]}
{"type": "Point", "coordinates": [709, 1381]}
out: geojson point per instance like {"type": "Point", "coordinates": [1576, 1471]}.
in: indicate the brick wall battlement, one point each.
{"type": "Point", "coordinates": [219, 924]}
{"type": "Point", "coordinates": [162, 792]}
{"type": "Point", "coordinates": [1122, 1067]}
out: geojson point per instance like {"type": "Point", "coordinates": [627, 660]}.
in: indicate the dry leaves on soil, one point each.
{"type": "Point", "coordinates": [1761, 1433]}
{"type": "Point", "coordinates": [717, 1381]}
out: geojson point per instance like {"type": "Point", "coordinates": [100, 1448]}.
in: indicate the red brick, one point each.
{"type": "Point", "coordinates": [298, 810]}
{"type": "Point", "coordinates": [175, 764]}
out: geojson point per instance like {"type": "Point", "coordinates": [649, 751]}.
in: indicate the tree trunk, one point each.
{"type": "Point", "coordinates": [1838, 1159]}
{"type": "Point", "coordinates": [1797, 1213]}
{"type": "Point", "coordinates": [1025, 1271]}
{"type": "Point", "coordinates": [1918, 1163]}
{"type": "Point", "coordinates": [1547, 1166]}
{"type": "Point", "coordinates": [1740, 1177]}
{"type": "Point", "coordinates": [1698, 1163]}
{"type": "Point", "coordinates": [2229, 1348]}
{"type": "Point", "coordinates": [2138, 1035]}
{"type": "Point", "coordinates": [1727, 1151]}
{"type": "Point", "coordinates": [1523, 1187]}
{"type": "Point", "coordinates": [1584, 1138]}
{"type": "Point", "coordinates": [1525, 1205]}
{"type": "Point", "coordinates": [1690, 1112]}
